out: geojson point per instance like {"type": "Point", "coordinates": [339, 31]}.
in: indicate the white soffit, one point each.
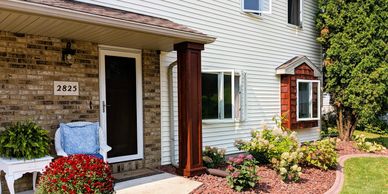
{"type": "Point", "coordinates": [36, 19]}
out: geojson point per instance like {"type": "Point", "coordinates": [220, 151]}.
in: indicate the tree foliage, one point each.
{"type": "Point", "coordinates": [354, 36]}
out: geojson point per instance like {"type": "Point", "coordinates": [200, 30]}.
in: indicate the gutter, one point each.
{"type": "Point", "coordinates": [171, 111]}
{"type": "Point", "coordinates": [62, 13]}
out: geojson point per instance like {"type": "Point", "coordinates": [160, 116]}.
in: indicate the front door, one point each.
{"type": "Point", "coordinates": [121, 104]}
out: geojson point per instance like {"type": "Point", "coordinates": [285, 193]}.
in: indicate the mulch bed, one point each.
{"type": "Point", "coordinates": [312, 180]}
{"type": "Point", "coordinates": [348, 147]}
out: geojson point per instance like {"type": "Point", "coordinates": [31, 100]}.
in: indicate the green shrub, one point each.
{"type": "Point", "coordinates": [329, 132]}
{"type": "Point", "coordinates": [329, 120]}
{"type": "Point", "coordinates": [213, 157]}
{"type": "Point", "coordinates": [242, 172]}
{"type": "Point", "coordinates": [287, 166]}
{"type": "Point", "coordinates": [373, 125]}
{"type": "Point", "coordinates": [321, 154]}
{"type": "Point", "coordinates": [267, 144]}
{"type": "Point", "coordinates": [367, 146]}
{"type": "Point", "coordinates": [24, 140]}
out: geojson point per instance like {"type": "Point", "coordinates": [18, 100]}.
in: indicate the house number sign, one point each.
{"type": "Point", "coordinates": [66, 88]}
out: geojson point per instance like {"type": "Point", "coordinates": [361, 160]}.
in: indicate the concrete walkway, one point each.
{"type": "Point", "coordinates": [340, 178]}
{"type": "Point", "coordinates": [164, 183]}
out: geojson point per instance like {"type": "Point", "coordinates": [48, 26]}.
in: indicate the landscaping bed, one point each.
{"type": "Point", "coordinates": [347, 147]}
{"type": "Point", "coordinates": [312, 180]}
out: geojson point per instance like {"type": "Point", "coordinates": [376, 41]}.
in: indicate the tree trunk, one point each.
{"type": "Point", "coordinates": [346, 123]}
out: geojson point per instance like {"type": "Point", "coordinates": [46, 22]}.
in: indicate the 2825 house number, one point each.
{"type": "Point", "coordinates": [66, 88]}
{"type": "Point", "coordinates": [62, 88]}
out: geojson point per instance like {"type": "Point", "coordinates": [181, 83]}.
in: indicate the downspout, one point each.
{"type": "Point", "coordinates": [171, 111]}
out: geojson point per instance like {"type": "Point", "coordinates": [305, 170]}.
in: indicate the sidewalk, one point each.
{"type": "Point", "coordinates": [164, 183]}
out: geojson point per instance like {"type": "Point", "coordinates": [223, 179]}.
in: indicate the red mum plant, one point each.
{"type": "Point", "coordinates": [76, 174]}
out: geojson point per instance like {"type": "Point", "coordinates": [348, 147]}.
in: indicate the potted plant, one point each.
{"type": "Point", "coordinates": [24, 140]}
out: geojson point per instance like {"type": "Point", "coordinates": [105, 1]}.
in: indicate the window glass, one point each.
{"type": "Point", "coordinates": [218, 95]}
{"type": "Point", "coordinates": [251, 4]}
{"type": "Point", "coordinates": [304, 100]}
{"type": "Point", "coordinates": [237, 97]}
{"type": "Point", "coordinates": [227, 96]}
{"type": "Point", "coordinates": [209, 96]}
{"type": "Point", "coordinates": [294, 9]}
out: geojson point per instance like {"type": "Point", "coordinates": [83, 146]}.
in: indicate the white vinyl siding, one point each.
{"type": "Point", "coordinates": [245, 42]}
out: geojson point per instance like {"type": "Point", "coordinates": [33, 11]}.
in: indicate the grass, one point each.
{"type": "Point", "coordinates": [366, 175]}
{"type": "Point", "coordinates": [372, 137]}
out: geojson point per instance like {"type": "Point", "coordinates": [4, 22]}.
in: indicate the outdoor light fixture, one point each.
{"type": "Point", "coordinates": [68, 53]}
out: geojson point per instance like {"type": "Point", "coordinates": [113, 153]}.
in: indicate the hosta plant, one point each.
{"type": "Point", "coordinates": [213, 157]}
{"type": "Point", "coordinates": [24, 140]}
{"type": "Point", "coordinates": [367, 146]}
{"type": "Point", "coordinates": [321, 154]}
{"type": "Point", "coordinates": [76, 174]}
{"type": "Point", "coordinates": [242, 172]}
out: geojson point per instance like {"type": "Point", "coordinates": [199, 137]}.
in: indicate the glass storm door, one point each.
{"type": "Point", "coordinates": [121, 106]}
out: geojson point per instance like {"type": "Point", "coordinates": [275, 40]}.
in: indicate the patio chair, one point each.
{"type": "Point", "coordinates": [81, 138]}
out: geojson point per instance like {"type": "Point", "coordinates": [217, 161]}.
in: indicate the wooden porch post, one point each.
{"type": "Point", "coordinates": [190, 108]}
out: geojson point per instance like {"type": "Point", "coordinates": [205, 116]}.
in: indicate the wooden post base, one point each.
{"type": "Point", "coordinates": [191, 172]}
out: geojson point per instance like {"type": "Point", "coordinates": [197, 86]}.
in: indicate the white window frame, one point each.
{"type": "Point", "coordinates": [311, 118]}
{"type": "Point", "coordinates": [257, 11]}
{"type": "Point", "coordinates": [221, 112]}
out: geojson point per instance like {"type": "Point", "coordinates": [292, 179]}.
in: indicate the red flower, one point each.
{"type": "Point", "coordinates": [77, 173]}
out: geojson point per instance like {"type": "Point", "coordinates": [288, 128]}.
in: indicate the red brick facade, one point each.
{"type": "Point", "coordinates": [288, 97]}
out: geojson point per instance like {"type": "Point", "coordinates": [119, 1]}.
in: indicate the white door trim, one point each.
{"type": "Point", "coordinates": [130, 53]}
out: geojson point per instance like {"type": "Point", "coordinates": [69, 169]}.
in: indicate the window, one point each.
{"type": "Point", "coordinates": [295, 12]}
{"type": "Point", "coordinates": [221, 95]}
{"type": "Point", "coordinates": [308, 100]}
{"type": "Point", "coordinates": [256, 6]}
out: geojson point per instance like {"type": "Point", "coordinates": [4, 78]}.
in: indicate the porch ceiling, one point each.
{"type": "Point", "coordinates": [39, 19]}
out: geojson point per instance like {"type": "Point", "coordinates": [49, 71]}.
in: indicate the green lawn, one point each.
{"type": "Point", "coordinates": [382, 139]}
{"type": "Point", "coordinates": [366, 175]}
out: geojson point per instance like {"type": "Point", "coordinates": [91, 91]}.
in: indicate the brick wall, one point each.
{"type": "Point", "coordinates": [30, 64]}
{"type": "Point", "coordinates": [288, 97]}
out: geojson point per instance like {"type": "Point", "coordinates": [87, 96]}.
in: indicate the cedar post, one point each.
{"type": "Point", "coordinates": [190, 108]}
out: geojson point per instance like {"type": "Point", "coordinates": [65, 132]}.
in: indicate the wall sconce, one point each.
{"type": "Point", "coordinates": [68, 53]}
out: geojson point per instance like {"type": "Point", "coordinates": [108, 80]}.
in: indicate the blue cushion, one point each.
{"type": "Point", "coordinates": [80, 138]}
